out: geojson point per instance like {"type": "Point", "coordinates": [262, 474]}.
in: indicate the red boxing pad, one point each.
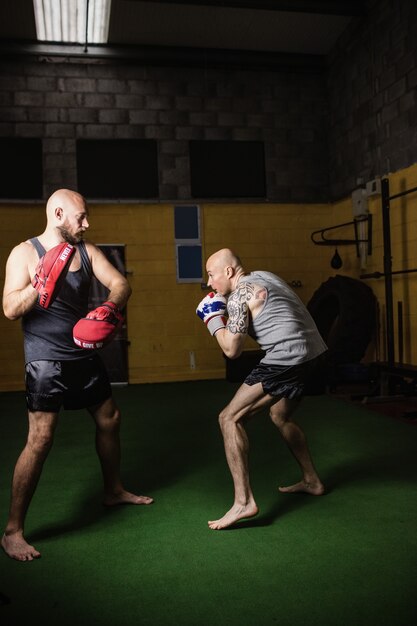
{"type": "Point", "coordinates": [98, 328]}
{"type": "Point", "coordinates": [51, 271]}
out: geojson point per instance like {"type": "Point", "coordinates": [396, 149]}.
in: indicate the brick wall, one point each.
{"type": "Point", "coordinates": [65, 101]}
{"type": "Point", "coordinates": [372, 80]}
{"type": "Point", "coordinates": [326, 128]}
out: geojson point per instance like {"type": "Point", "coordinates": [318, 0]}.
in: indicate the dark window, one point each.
{"type": "Point", "coordinates": [117, 168]}
{"type": "Point", "coordinates": [188, 243]}
{"type": "Point", "coordinates": [187, 222]}
{"type": "Point", "coordinates": [189, 264]}
{"type": "Point", "coordinates": [227, 169]}
{"type": "Point", "coordinates": [21, 172]}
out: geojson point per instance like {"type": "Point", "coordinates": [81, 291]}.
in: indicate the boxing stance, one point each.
{"type": "Point", "coordinates": [46, 285]}
{"type": "Point", "coordinates": [261, 305]}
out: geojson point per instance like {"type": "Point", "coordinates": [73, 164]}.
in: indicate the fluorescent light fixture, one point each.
{"type": "Point", "coordinates": [66, 20]}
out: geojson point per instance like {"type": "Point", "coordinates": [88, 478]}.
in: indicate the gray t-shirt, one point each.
{"type": "Point", "coordinates": [283, 328]}
{"type": "Point", "coordinates": [48, 332]}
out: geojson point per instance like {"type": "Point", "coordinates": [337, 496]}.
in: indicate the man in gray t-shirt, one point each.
{"type": "Point", "coordinates": [261, 305]}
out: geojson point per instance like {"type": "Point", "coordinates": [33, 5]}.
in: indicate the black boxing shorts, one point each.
{"type": "Point", "coordinates": [75, 384]}
{"type": "Point", "coordinates": [286, 381]}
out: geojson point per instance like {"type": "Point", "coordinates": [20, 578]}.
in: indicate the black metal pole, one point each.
{"type": "Point", "coordinates": [388, 269]}
{"type": "Point", "coordinates": [381, 274]}
{"type": "Point", "coordinates": [400, 332]}
{"type": "Point", "coordinates": [86, 27]}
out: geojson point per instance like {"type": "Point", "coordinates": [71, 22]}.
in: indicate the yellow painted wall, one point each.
{"type": "Point", "coordinates": [18, 223]}
{"type": "Point", "coordinates": [162, 325]}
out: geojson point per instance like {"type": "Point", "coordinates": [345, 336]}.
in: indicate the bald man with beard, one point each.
{"type": "Point", "coordinates": [58, 373]}
{"type": "Point", "coordinates": [263, 306]}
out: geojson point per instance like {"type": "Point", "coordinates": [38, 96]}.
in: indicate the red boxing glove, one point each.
{"type": "Point", "coordinates": [51, 271]}
{"type": "Point", "coordinates": [98, 328]}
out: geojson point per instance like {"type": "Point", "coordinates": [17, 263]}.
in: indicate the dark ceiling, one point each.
{"type": "Point", "coordinates": [250, 27]}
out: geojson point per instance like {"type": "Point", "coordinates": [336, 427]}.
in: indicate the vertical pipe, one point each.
{"type": "Point", "coordinates": [387, 269]}
{"type": "Point", "coordinates": [400, 332]}
{"type": "Point", "coordinates": [86, 26]}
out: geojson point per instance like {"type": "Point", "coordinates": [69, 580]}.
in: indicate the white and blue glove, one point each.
{"type": "Point", "coordinates": [212, 310]}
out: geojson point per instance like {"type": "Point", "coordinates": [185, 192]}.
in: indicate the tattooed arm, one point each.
{"type": "Point", "coordinates": [243, 303]}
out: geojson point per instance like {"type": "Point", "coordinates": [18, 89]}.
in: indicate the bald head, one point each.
{"type": "Point", "coordinates": [64, 199]}
{"type": "Point", "coordinates": [224, 268]}
{"type": "Point", "coordinates": [223, 258]}
{"type": "Point", "coordinates": [66, 214]}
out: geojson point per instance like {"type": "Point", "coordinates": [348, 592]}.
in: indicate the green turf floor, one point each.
{"type": "Point", "coordinates": [349, 557]}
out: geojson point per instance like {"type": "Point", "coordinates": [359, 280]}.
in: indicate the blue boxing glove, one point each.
{"type": "Point", "coordinates": [212, 310]}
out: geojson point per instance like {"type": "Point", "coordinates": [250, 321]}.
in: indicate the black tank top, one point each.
{"type": "Point", "coordinates": [48, 332]}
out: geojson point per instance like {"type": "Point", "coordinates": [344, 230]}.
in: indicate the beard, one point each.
{"type": "Point", "coordinates": [69, 237]}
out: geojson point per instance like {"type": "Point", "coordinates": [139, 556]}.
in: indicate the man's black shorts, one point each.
{"type": "Point", "coordinates": [75, 384]}
{"type": "Point", "coordinates": [284, 381]}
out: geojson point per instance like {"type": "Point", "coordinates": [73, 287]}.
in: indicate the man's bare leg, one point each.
{"type": "Point", "coordinates": [295, 439]}
{"type": "Point", "coordinates": [247, 401]}
{"type": "Point", "coordinates": [107, 418]}
{"type": "Point", "coordinates": [25, 479]}
{"type": "Point", "coordinates": [237, 447]}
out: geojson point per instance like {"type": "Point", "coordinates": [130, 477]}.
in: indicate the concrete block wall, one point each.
{"type": "Point", "coordinates": [325, 130]}
{"type": "Point", "coordinates": [372, 81]}
{"type": "Point", "coordinates": [63, 101]}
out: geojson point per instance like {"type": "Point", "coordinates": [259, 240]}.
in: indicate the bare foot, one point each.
{"type": "Point", "coordinates": [17, 548]}
{"type": "Point", "coordinates": [314, 489]}
{"type": "Point", "coordinates": [236, 513]}
{"type": "Point", "coordinates": [125, 497]}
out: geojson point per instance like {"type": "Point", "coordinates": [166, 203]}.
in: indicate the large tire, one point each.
{"type": "Point", "coordinates": [345, 312]}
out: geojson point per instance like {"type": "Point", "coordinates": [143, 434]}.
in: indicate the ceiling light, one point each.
{"type": "Point", "coordinates": [67, 21]}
